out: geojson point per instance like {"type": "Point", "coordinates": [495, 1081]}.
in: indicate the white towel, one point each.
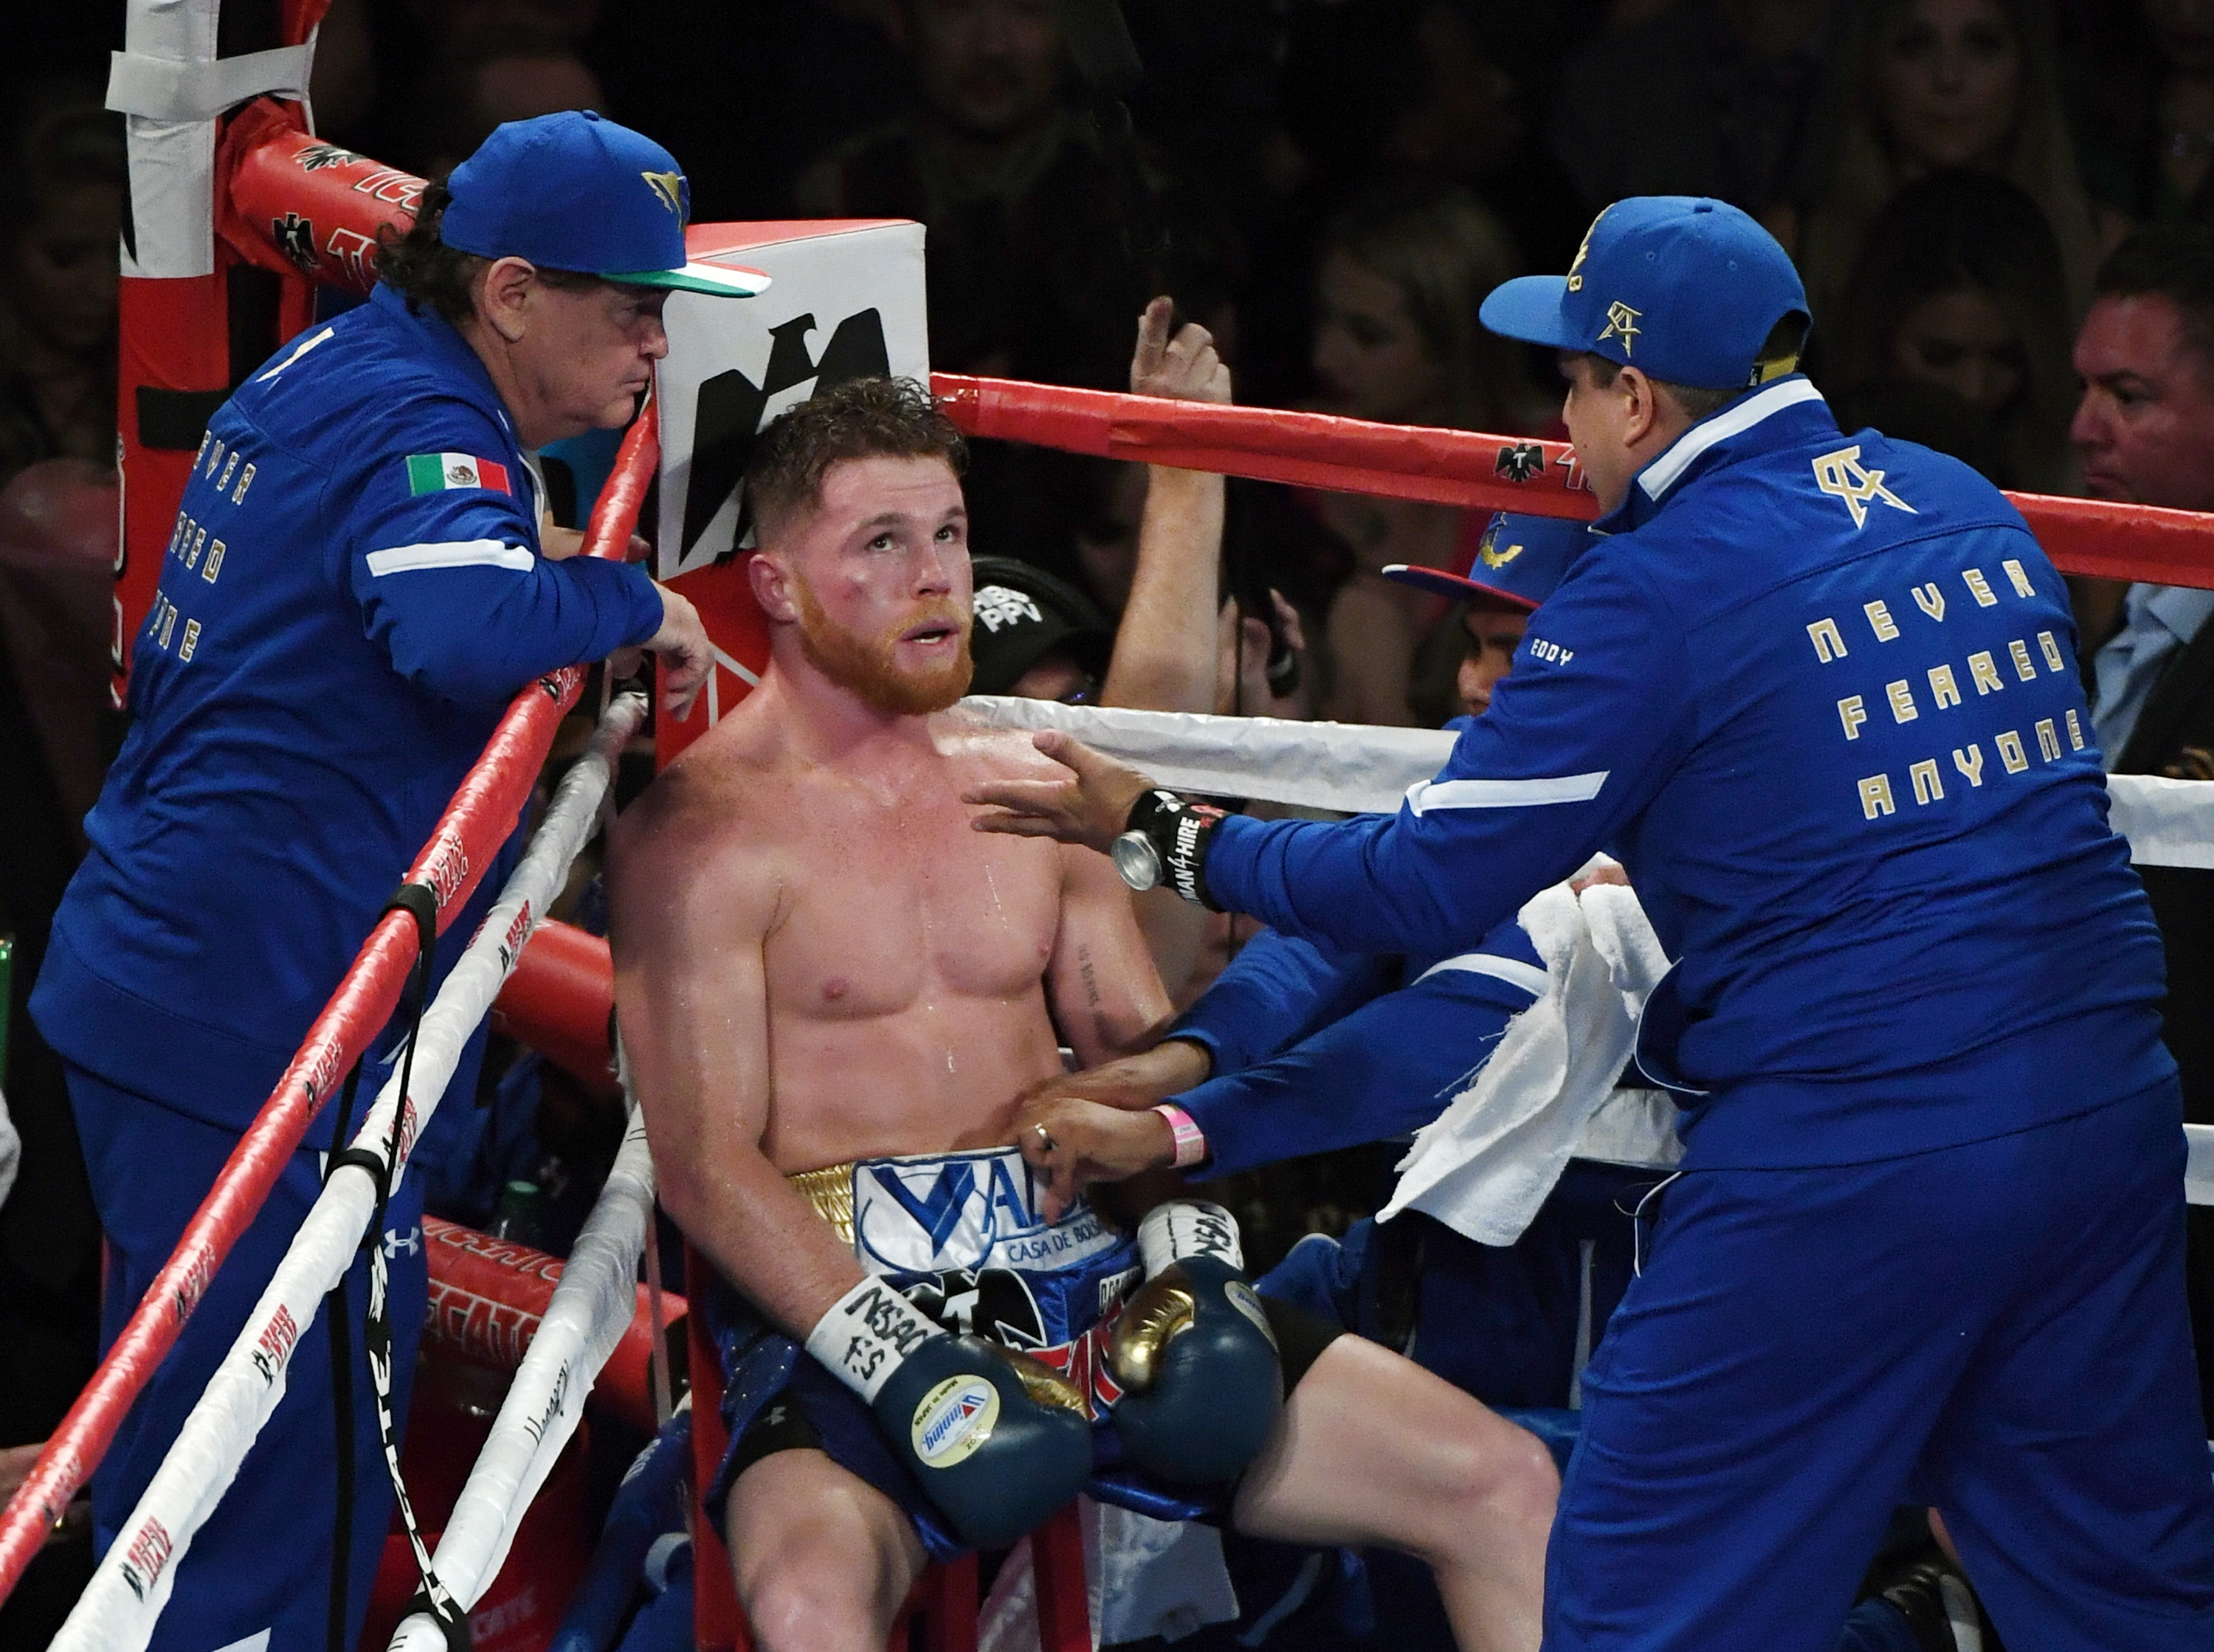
{"type": "Point", "coordinates": [1147, 1579]}
{"type": "Point", "coordinates": [1484, 1166]}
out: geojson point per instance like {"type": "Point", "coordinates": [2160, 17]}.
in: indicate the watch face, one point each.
{"type": "Point", "coordinates": [1137, 860]}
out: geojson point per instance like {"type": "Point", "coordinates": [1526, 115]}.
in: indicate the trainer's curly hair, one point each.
{"type": "Point", "coordinates": [856, 418]}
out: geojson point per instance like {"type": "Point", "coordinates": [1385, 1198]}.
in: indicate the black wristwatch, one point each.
{"type": "Point", "coordinates": [1165, 839]}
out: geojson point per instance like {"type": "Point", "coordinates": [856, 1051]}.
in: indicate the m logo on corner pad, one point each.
{"type": "Point", "coordinates": [729, 408]}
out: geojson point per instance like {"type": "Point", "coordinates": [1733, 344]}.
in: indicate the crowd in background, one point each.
{"type": "Point", "coordinates": [1328, 186]}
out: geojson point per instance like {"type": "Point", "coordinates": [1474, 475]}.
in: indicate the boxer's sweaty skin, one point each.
{"type": "Point", "coordinates": [817, 959]}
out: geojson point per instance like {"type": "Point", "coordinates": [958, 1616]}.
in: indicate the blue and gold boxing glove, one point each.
{"type": "Point", "coordinates": [998, 1441]}
{"type": "Point", "coordinates": [1202, 1385]}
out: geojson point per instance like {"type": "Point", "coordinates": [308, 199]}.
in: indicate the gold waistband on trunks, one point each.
{"type": "Point", "coordinates": [830, 1191]}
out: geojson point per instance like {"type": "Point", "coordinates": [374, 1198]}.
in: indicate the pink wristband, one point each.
{"type": "Point", "coordinates": [1190, 1142]}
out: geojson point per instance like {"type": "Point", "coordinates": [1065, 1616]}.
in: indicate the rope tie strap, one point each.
{"type": "Point", "coordinates": [163, 89]}
{"type": "Point", "coordinates": [420, 902]}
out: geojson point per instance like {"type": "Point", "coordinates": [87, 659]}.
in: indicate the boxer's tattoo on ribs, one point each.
{"type": "Point", "coordinates": [1093, 999]}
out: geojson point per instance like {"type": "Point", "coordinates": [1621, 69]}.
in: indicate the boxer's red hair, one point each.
{"type": "Point", "coordinates": [858, 418]}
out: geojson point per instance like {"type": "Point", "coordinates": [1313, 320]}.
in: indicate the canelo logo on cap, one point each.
{"type": "Point", "coordinates": [668, 186]}
{"type": "Point", "coordinates": [1621, 323]}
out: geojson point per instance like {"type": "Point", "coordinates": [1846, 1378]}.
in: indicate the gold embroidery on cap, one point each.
{"type": "Point", "coordinates": [1621, 323]}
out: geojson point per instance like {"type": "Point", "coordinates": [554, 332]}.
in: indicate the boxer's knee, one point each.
{"type": "Point", "coordinates": [1483, 1485]}
{"type": "Point", "coordinates": [816, 1603]}
{"type": "Point", "coordinates": [820, 1558]}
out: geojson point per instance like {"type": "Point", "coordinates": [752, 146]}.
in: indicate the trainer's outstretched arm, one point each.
{"type": "Point", "coordinates": [1597, 715]}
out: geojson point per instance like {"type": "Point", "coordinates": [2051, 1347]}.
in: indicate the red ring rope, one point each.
{"type": "Point", "coordinates": [1477, 471]}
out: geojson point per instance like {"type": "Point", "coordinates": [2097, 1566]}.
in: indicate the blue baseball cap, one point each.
{"type": "Point", "coordinates": [574, 190]}
{"type": "Point", "coordinates": [1521, 558]}
{"type": "Point", "coordinates": [1686, 289]}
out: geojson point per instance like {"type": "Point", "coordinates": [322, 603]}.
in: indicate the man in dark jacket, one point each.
{"type": "Point", "coordinates": [2146, 431]}
{"type": "Point", "coordinates": [1815, 691]}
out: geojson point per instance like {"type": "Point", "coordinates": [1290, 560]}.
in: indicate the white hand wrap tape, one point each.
{"type": "Point", "coordinates": [867, 1335]}
{"type": "Point", "coordinates": [1184, 1227]}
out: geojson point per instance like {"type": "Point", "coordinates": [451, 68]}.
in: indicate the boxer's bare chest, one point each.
{"type": "Point", "coordinates": [890, 901]}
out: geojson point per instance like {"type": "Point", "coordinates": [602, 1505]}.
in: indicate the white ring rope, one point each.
{"type": "Point", "coordinates": [1358, 769]}
{"type": "Point", "coordinates": [1352, 767]}
{"type": "Point", "coordinates": [117, 1611]}
{"type": "Point", "coordinates": [592, 1306]}
{"type": "Point", "coordinates": [1361, 770]}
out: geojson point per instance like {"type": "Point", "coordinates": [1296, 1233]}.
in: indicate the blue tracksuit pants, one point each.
{"type": "Point", "coordinates": [1997, 1329]}
{"type": "Point", "coordinates": [262, 1561]}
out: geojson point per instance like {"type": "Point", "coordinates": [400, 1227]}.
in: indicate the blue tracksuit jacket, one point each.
{"type": "Point", "coordinates": [1315, 1049]}
{"type": "Point", "coordinates": [346, 608]}
{"type": "Point", "coordinates": [1818, 693]}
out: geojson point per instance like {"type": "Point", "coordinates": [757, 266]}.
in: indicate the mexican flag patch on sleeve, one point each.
{"type": "Point", "coordinates": [434, 473]}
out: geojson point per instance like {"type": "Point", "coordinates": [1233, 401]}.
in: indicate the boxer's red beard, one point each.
{"type": "Point", "coordinates": [869, 667]}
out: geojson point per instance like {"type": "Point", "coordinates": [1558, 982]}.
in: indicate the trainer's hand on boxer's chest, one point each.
{"type": "Point", "coordinates": [1061, 1132]}
{"type": "Point", "coordinates": [1089, 808]}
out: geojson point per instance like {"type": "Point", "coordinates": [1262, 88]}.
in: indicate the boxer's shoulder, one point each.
{"type": "Point", "coordinates": [713, 821]}
{"type": "Point", "coordinates": [981, 752]}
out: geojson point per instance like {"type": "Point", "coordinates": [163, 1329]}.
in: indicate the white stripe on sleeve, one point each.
{"type": "Point", "coordinates": [458, 553]}
{"type": "Point", "coordinates": [1513, 971]}
{"type": "Point", "coordinates": [1427, 794]}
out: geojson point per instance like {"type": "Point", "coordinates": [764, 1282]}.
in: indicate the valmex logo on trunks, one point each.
{"type": "Point", "coordinates": [962, 1211]}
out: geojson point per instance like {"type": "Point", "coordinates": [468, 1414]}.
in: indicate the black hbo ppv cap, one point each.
{"type": "Point", "coordinates": [1023, 613]}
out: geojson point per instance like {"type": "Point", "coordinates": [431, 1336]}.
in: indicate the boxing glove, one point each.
{"type": "Point", "coordinates": [998, 1441]}
{"type": "Point", "coordinates": [1202, 1385]}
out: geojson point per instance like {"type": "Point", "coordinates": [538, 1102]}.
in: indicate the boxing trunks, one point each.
{"type": "Point", "coordinates": [961, 1234]}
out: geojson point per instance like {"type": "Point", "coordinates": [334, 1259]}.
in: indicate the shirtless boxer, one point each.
{"type": "Point", "coordinates": [818, 962]}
